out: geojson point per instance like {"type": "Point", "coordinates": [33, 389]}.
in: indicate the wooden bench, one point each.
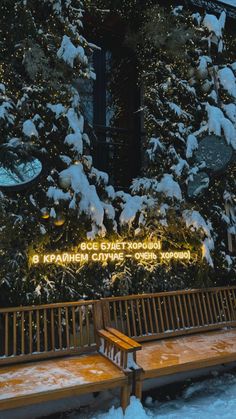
{"type": "Point", "coordinates": [179, 331]}
{"type": "Point", "coordinates": [76, 354]}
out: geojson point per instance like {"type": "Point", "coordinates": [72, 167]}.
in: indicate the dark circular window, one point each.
{"type": "Point", "coordinates": [20, 174]}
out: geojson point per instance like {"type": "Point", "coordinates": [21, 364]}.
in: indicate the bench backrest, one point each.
{"type": "Point", "coordinates": [46, 331]}
{"type": "Point", "coordinates": [155, 316]}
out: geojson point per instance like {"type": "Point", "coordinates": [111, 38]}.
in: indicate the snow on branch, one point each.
{"type": "Point", "coordinates": [68, 52]}
{"type": "Point", "coordinates": [217, 123]}
{"type": "Point", "coordinates": [193, 219]}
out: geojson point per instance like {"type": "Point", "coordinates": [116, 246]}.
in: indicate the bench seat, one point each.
{"type": "Point", "coordinates": [36, 382]}
{"type": "Point", "coordinates": [186, 353]}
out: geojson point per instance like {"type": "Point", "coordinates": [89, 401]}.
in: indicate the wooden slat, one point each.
{"type": "Point", "coordinates": [209, 307]}
{"type": "Point", "coordinates": [231, 305]}
{"type": "Point", "coordinates": [160, 313]}
{"type": "Point", "coordinates": [139, 317]}
{"type": "Point", "coordinates": [6, 334]}
{"type": "Point", "coordinates": [59, 330]}
{"type": "Point", "coordinates": [190, 309]}
{"type": "Point", "coordinates": [22, 333]}
{"type": "Point", "coordinates": [30, 333]}
{"type": "Point", "coordinates": [181, 311]}
{"type": "Point", "coordinates": [144, 317]}
{"type": "Point", "coordinates": [14, 333]}
{"type": "Point", "coordinates": [166, 314]}
{"type": "Point", "coordinates": [204, 308]}
{"type": "Point", "coordinates": [150, 315]}
{"type": "Point", "coordinates": [214, 307]}
{"type": "Point", "coordinates": [121, 316]}
{"type": "Point", "coordinates": [200, 310]}
{"type": "Point", "coordinates": [125, 338]}
{"type": "Point", "coordinates": [166, 293]}
{"type": "Point", "coordinates": [171, 312]}
{"type": "Point", "coordinates": [52, 330]}
{"type": "Point", "coordinates": [227, 305]}
{"type": "Point", "coordinates": [223, 306]}
{"type": "Point", "coordinates": [154, 307]}
{"type": "Point", "coordinates": [127, 318]}
{"type": "Point", "coordinates": [87, 325]}
{"type": "Point", "coordinates": [73, 326]}
{"type": "Point", "coordinates": [176, 312]}
{"type": "Point", "coordinates": [115, 314]}
{"type": "Point", "coordinates": [46, 306]}
{"type": "Point", "coordinates": [81, 327]}
{"type": "Point", "coordinates": [218, 306]}
{"type": "Point", "coordinates": [67, 328]}
{"type": "Point", "coordinates": [45, 330]}
{"type": "Point", "coordinates": [38, 330]}
{"type": "Point", "coordinates": [186, 312]}
{"type": "Point", "coordinates": [133, 318]}
{"type": "Point", "coordinates": [195, 309]}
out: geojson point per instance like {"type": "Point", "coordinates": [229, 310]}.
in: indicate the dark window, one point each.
{"type": "Point", "coordinates": [111, 105]}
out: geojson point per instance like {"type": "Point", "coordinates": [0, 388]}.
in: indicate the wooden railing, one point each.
{"type": "Point", "coordinates": [149, 316]}
{"type": "Point", "coordinates": [47, 330]}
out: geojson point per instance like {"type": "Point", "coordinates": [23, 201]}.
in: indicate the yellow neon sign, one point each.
{"type": "Point", "coordinates": [117, 251]}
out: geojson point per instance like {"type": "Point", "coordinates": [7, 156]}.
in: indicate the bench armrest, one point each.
{"type": "Point", "coordinates": [116, 349]}
{"type": "Point", "coordinates": [126, 339]}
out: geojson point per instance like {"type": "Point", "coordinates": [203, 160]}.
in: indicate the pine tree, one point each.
{"type": "Point", "coordinates": [43, 53]}
{"type": "Point", "coordinates": [188, 76]}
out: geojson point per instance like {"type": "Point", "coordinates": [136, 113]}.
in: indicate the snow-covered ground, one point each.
{"type": "Point", "coordinates": [208, 399]}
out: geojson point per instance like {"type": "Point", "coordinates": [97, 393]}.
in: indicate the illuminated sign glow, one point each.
{"type": "Point", "coordinates": [117, 251]}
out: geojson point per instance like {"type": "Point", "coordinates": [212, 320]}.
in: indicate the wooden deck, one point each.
{"type": "Point", "coordinates": [35, 382]}
{"type": "Point", "coordinates": [91, 346]}
{"type": "Point", "coordinates": [186, 353]}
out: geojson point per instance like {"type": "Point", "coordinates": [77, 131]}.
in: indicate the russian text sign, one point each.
{"type": "Point", "coordinates": [116, 251]}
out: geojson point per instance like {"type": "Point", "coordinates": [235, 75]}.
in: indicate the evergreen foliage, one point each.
{"type": "Point", "coordinates": [187, 76]}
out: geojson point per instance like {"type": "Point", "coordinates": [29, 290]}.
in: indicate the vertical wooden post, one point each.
{"type": "Point", "coordinates": [106, 313]}
{"type": "Point", "coordinates": [125, 396]}
{"type": "Point", "coordinates": [97, 319]}
{"type": "Point", "coordinates": [138, 384]}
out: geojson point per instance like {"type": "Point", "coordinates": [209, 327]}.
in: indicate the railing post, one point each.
{"type": "Point", "coordinates": [106, 313]}
{"type": "Point", "coordinates": [97, 319]}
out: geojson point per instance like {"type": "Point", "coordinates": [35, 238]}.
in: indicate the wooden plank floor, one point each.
{"type": "Point", "coordinates": [172, 355]}
{"type": "Point", "coordinates": [62, 377]}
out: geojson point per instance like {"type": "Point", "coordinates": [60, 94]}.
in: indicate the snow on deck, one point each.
{"type": "Point", "coordinates": [192, 350]}
{"type": "Point", "coordinates": [27, 379]}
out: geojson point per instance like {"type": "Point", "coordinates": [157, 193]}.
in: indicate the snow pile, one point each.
{"type": "Point", "coordinates": [194, 220]}
{"type": "Point", "coordinates": [227, 80]}
{"type": "Point", "coordinates": [217, 123]}
{"type": "Point", "coordinates": [230, 111]}
{"type": "Point", "coordinates": [68, 52]}
{"type": "Point", "coordinates": [134, 410]}
{"type": "Point", "coordinates": [215, 26]}
{"type": "Point", "coordinates": [4, 112]}
{"type": "Point", "coordinates": [208, 399]}
{"type": "Point", "coordinates": [169, 187]}
{"type": "Point", "coordinates": [155, 146]}
{"type": "Point", "coordinates": [178, 111]}
{"type": "Point", "coordinates": [203, 66]}
{"type": "Point", "coordinates": [192, 145]}
{"type": "Point", "coordinates": [131, 206]}
{"type": "Point", "coordinates": [90, 203]}
{"type": "Point", "coordinates": [76, 123]}
{"type": "Point", "coordinates": [58, 109]}
{"type": "Point", "coordinates": [179, 167]}
{"type": "Point", "coordinates": [29, 129]}
{"type": "Point", "coordinates": [101, 177]}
